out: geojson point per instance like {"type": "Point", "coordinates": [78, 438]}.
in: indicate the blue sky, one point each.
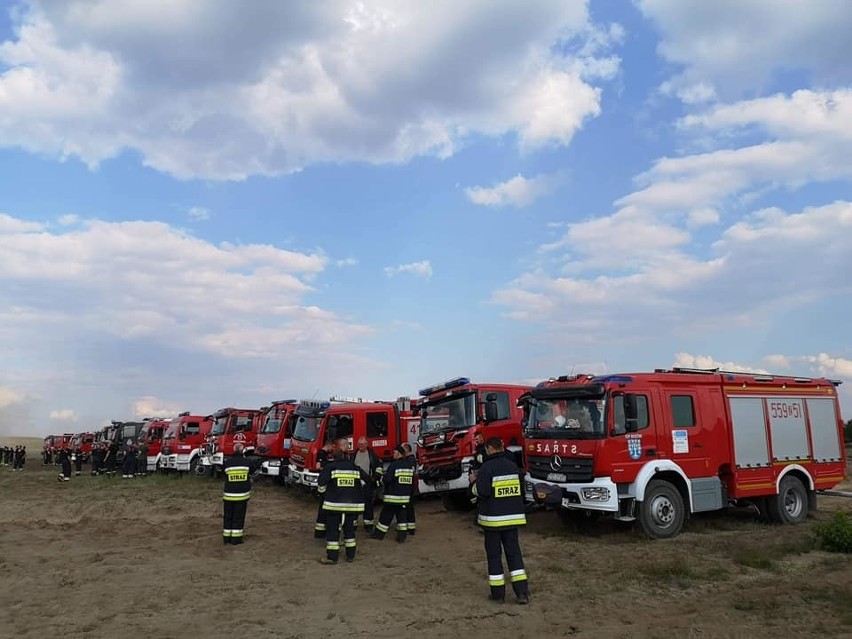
{"type": "Point", "coordinates": [203, 206]}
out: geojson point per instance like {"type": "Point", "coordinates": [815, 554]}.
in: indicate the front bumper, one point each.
{"type": "Point", "coordinates": [303, 477]}
{"type": "Point", "coordinates": [601, 494]}
{"type": "Point", "coordinates": [273, 468]}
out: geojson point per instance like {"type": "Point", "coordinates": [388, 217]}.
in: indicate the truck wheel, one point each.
{"type": "Point", "coordinates": [456, 501]}
{"type": "Point", "coordinates": [790, 505]}
{"type": "Point", "coordinates": [195, 468]}
{"type": "Point", "coordinates": [661, 514]}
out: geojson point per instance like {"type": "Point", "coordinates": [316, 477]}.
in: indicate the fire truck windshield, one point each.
{"type": "Point", "coordinates": [306, 428]}
{"type": "Point", "coordinates": [219, 425]}
{"type": "Point", "coordinates": [271, 425]}
{"type": "Point", "coordinates": [452, 413]}
{"type": "Point", "coordinates": [575, 418]}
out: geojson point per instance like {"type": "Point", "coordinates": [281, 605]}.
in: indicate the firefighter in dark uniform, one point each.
{"type": "Point", "coordinates": [128, 465]}
{"type": "Point", "coordinates": [78, 460]}
{"type": "Point", "coordinates": [340, 485]}
{"type": "Point", "coordinates": [367, 460]}
{"type": "Point", "coordinates": [237, 471]}
{"type": "Point", "coordinates": [110, 458]}
{"type": "Point", "coordinates": [323, 457]}
{"type": "Point", "coordinates": [410, 515]}
{"type": "Point", "coordinates": [399, 482]}
{"type": "Point", "coordinates": [65, 463]}
{"type": "Point", "coordinates": [97, 459]}
{"type": "Point", "coordinates": [501, 512]}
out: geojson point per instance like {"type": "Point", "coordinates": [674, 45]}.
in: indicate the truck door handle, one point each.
{"type": "Point", "coordinates": [651, 452]}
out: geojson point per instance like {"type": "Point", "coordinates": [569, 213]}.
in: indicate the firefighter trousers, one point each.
{"type": "Point", "coordinates": [389, 511]}
{"type": "Point", "coordinates": [411, 517]}
{"type": "Point", "coordinates": [234, 520]}
{"type": "Point", "coordinates": [334, 520]}
{"type": "Point", "coordinates": [321, 525]}
{"type": "Point", "coordinates": [369, 511]}
{"type": "Point", "coordinates": [496, 543]}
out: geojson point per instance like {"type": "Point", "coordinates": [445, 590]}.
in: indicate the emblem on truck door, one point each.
{"type": "Point", "coordinates": [634, 447]}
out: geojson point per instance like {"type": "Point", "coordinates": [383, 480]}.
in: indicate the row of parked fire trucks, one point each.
{"type": "Point", "coordinates": [647, 447]}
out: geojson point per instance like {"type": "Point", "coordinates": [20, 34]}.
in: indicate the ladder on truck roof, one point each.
{"type": "Point", "coordinates": [758, 377]}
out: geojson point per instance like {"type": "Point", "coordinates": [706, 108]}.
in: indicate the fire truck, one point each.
{"type": "Point", "coordinates": [274, 439]}
{"type": "Point", "coordinates": [656, 447]}
{"type": "Point", "coordinates": [384, 424]}
{"type": "Point", "coordinates": [451, 414]}
{"type": "Point", "coordinates": [183, 443]}
{"type": "Point", "coordinates": [85, 442]}
{"type": "Point", "coordinates": [152, 435]}
{"type": "Point", "coordinates": [231, 425]}
{"type": "Point", "coordinates": [119, 432]}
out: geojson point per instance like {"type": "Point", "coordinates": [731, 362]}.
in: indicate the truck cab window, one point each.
{"type": "Point", "coordinates": [683, 412]}
{"type": "Point", "coordinates": [377, 424]}
{"type": "Point", "coordinates": [340, 426]}
{"type": "Point", "coordinates": [502, 401]}
{"type": "Point", "coordinates": [630, 413]}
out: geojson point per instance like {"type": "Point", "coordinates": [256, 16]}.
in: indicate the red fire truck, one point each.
{"type": "Point", "coordinates": [231, 425]}
{"type": "Point", "coordinates": [152, 434]}
{"type": "Point", "coordinates": [85, 442]}
{"type": "Point", "coordinates": [656, 447]}
{"type": "Point", "coordinates": [451, 413]}
{"type": "Point", "coordinates": [384, 424]}
{"type": "Point", "coordinates": [274, 438]}
{"type": "Point", "coordinates": [183, 443]}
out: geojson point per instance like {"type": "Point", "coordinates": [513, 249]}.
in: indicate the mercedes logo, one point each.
{"type": "Point", "coordinates": [556, 463]}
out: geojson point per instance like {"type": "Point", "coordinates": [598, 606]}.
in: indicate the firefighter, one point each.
{"type": "Point", "coordinates": [323, 457]}
{"type": "Point", "coordinates": [398, 481]}
{"type": "Point", "coordinates": [65, 463]}
{"type": "Point", "coordinates": [128, 466]}
{"type": "Point", "coordinates": [45, 457]}
{"type": "Point", "coordinates": [501, 512]}
{"type": "Point", "coordinates": [410, 515]}
{"type": "Point", "coordinates": [237, 471]}
{"type": "Point", "coordinates": [78, 460]}
{"type": "Point", "coordinates": [366, 459]}
{"type": "Point", "coordinates": [340, 484]}
{"type": "Point", "coordinates": [110, 458]}
{"type": "Point", "coordinates": [20, 457]}
{"type": "Point", "coordinates": [142, 459]}
{"type": "Point", "coordinates": [97, 459]}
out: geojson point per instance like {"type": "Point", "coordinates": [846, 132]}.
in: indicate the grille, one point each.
{"type": "Point", "coordinates": [575, 469]}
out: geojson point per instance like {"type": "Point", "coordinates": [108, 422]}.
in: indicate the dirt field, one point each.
{"type": "Point", "coordinates": [101, 557]}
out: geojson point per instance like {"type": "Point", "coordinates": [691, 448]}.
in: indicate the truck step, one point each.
{"type": "Point", "coordinates": [624, 518]}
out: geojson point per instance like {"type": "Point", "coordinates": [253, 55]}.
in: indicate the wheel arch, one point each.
{"type": "Point", "coordinates": [665, 470]}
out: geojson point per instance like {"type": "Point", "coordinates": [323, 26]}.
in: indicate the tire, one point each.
{"type": "Point", "coordinates": [790, 505]}
{"type": "Point", "coordinates": [195, 468]}
{"type": "Point", "coordinates": [661, 513]}
{"type": "Point", "coordinates": [456, 501]}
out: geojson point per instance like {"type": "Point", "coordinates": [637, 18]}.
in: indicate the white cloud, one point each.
{"type": "Point", "coordinates": [517, 191]}
{"type": "Point", "coordinates": [9, 397]}
{"type": "Point", "coordinates": [104, 311]}
{"type": "Point", "coordinates": [9, 224]}
{"type": "Point", "coordinates": [223, 93]}
{"type": "Point", "coordinates": [64, 415]}
{"type": "Point", "coordinates": [421, 269]}
{"type": "Point", "coordinates": [741, 47]}
{"type": "Point", "coordinates": [153, 407]}
{"type": "Point", "coordinates": [832, 366]}
{"type": "Point", "coordinates": [687, 360]}
{"type": "Point", "coordinates": [69, 219]}
{"type": "Point", "coordinates": [347, 261]}
{"type": "Point", "coordinates": [198, 213]}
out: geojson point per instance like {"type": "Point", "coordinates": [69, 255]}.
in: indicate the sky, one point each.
{"type": "Point", "coordinates": [206, 203]}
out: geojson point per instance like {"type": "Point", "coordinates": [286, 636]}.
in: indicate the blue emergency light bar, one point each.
{"type": "Point", "coordinates": [458, 381]}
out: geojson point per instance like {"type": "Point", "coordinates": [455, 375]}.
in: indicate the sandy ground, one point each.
{"type": "Point", "coordinates": [101, 557]}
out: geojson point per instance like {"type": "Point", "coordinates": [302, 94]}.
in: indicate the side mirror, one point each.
{"type": "Point", "coordinates": [631, 413]}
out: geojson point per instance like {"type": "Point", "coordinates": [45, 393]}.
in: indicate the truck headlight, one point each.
{"type": "Point", "coordinates": [596, 493]}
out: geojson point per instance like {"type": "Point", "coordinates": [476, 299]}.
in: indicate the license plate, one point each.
{"type": "Point", "coordinates": [442, 485]}
{"type": "Point", "coordinates": [556, 477]}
